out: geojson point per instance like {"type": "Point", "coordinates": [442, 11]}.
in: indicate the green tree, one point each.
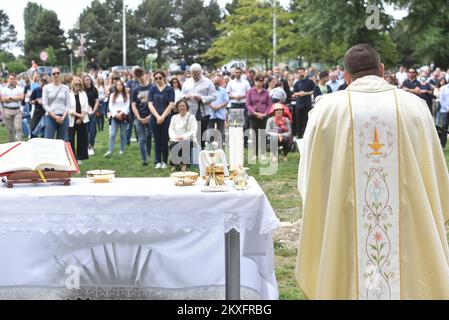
{"type": "Point", "coordinates": [422, 36]}
{"type": "Point", "coordinates": [155, 22]}
{"type": "Point", "coordinates": [43, 32]}
{"type": "Point", "coordinates": [101, 23]}
{"type": "Point", "coordinates": [197, 24]}
{"type": "Point", "coordinates": [30, 14]}
{"type": "Point", "coordinates": [231, 6]}
{"type": "Point", "coordinates": [324, 29]}
{"type": "Point", "coordinates": [8, 34]}
{"type": "Point", "coordinates": [17, 66]}
{"type": "Point", "coordinates": [247, 33]}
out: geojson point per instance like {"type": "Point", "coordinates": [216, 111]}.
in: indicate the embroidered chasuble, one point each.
{"type": "Point", "coordinates": [375, 192]}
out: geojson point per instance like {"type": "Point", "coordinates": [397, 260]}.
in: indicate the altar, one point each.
{"type": "Point", "coordinates": [135, 238]}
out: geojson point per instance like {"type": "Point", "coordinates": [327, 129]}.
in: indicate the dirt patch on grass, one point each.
{"type": "Point", "coordinates": [287, 237]}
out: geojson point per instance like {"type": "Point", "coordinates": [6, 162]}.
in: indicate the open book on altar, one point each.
{"type": "Point", "coordinates": [37, 154]}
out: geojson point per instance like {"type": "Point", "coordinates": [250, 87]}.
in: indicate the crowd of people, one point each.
{"type": "Point", "coordinates": [176, 113]}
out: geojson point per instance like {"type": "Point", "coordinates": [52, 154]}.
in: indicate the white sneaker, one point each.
{"type": "Point", "coordinates": [164, 165]}
{"type": "Point", "coordinates": [158, 165]}
{"type": "Point", "coordinates": [122, 152]}
{"type": "Point", "coordinates": [90, 151]}
{"type": "Point", "coordinates": [108, 154]}
{"type": "Point", "coordinates": [80, 162]}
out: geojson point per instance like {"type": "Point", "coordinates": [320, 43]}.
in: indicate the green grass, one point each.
{"type": "Point", "coordinates": [281, 190]}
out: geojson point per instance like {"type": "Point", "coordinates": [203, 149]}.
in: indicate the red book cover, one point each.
{"type": "Point", "coordinates": [72, 157]}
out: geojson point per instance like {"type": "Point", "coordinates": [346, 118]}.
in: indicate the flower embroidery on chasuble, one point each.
{"type": "Point", "coordinates": [376, 175]}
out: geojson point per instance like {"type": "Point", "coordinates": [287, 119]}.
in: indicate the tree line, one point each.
{"type": "Point", "coordinates": [313, 30]}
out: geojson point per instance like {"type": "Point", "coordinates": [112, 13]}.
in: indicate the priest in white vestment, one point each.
{"type": "Point", "coordinates": [375, 190]}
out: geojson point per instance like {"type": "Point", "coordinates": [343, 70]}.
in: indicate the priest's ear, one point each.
{"type": "Point", "coordinates": [382, 70]}
{"type": "Point", "coordinates": [347, 76]}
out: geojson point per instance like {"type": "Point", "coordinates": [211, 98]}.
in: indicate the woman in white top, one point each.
{"type": "Point", "coordinates": [78, 119]}
{"type": "Point", "coordinates": [119, 109]}
{"type": "Point", "coordinates": [176, 85]}
{"type": "Point", "coordinates": [182, 132]}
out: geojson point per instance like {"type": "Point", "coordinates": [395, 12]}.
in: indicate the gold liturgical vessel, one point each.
{"type": "Point", "coordinates": [376, 146]}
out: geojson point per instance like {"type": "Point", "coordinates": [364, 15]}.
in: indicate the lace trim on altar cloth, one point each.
{"type": "Point", "coordinates": [136, 222]}
{"type": "Point", "coordinates": [121, 293]}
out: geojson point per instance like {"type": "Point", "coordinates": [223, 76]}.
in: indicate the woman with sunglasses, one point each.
{"type": "Point", "coordinates": [258, 103]}
{"type": "Point", "coordinates": [56, 102]}
{"type": "Point", "coordinates": [161, 101]}
{"type": "Point", "coordinates": [78, 120]}
{"type": "Point", "coordinates": [176, 85]}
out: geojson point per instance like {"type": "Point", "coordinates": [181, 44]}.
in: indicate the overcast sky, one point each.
{"type": "Point", "coordinates": [69, 11]}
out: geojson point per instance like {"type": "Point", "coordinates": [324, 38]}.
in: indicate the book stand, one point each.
{"type": "Point", "coordinates": [34, 177]}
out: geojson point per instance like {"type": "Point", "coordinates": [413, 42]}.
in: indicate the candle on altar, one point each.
{"type": "Point", "coordinates": [236, 147]}
{"type": "Point", "coordinates": [236, 121]}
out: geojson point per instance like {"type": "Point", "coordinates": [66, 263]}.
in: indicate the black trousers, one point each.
{"type": "Point", "coordinates": [220, 127]}
{"type": "Point", "coordinates": [37, 115]}
{"type": "Point", "coordinates": [285, 144]}
{"type": "Point", "coordinates": [177, 157]}
{"type": "Point", "coordinates": [82, 140]}
{"type": "Point", "coordinates": [302, 117]}
{"type": "Point", "coordinates": [204, 125]}
{"type": "Point", "coordinates": [444, 125]}
{"type": "Point", "coordinates": [257, 124]}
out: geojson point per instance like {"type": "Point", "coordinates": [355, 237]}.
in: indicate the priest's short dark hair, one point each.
{"type": "Point", "coordinates": [362, 60]}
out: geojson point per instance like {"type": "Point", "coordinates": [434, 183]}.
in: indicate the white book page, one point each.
{"type": "Point", "coordinates": [49, 153]}
{"type": "Point", "coordinates": [16, 159]}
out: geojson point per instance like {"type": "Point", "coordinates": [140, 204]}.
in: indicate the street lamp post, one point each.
{"type": "Point", "coordinates": [273, 13]}
{"type": "Point", "coordinates": [274, 32]}
{"type": "Point", "coordinates": [124, 34]}
{"type": "Point", "coordinates": [82, 50]}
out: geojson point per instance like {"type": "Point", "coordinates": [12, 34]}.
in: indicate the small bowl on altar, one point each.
{"type": "Point", "coordinates": [101, 176]}
{"type": "Point", "coordinates": [184, 178]}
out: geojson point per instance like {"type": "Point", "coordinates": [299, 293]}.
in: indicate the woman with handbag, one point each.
{"type": "Point", "coordinates": [182, 131]}
{"type": "Point", "coordinates": [78, 120]}
{"type": "Point", "coordinates": [56, 102]}
{"type": "Point", "coordinates": [94, 103]}
{"type": "Point", "coordinates": [161, 101]}
{"type": "Point", "coordinates": [119, 109]}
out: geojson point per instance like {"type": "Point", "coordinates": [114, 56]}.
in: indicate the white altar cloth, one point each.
{"type": "Point", "coordinates": [132, 238]}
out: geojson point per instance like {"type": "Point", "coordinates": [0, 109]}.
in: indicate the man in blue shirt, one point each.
{"type": "Point", "coordinates": [218, 106]}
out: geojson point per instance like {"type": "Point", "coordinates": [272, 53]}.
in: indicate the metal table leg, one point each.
{"type": "Point", "coordinates": [232, 264]}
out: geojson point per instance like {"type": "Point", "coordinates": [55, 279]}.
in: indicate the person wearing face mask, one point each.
{"type": "Point", "coordinates": [218, 116]}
